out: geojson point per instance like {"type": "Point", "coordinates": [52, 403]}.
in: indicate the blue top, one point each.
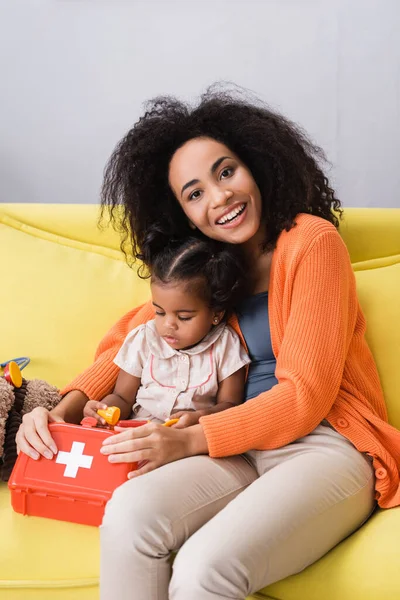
{"type": "Point", "coordinates": [253, 319]}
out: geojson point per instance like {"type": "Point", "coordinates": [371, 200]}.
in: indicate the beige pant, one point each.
{"type": "Point", "coordinates": [241, 523]}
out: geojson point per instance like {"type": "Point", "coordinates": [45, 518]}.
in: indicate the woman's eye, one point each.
{"type": "Point", "coordinates": [159, 314]}
{"type": "Point", "coordinates": [195, 195]}
{"type": "Point", "coordinates": [227, 172]}
{"type": "Point", "coordinates": [185, 318]}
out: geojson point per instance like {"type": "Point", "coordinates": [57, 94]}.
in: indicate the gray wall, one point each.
{"type": "Point", "coordinates": [74, 75]}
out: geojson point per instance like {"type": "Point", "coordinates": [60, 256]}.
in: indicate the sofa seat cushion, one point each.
{"type": "Point", "coordinates": [363, 567]}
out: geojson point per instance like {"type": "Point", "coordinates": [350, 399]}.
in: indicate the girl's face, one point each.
{"type": "Point", "coordinates": [182, 318]}
{"type": "Point", "coordinates": [216, 191]}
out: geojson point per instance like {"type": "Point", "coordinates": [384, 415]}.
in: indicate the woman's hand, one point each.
{"type": "Point", "coordinates": [33, 436]}
{"type": "Point", "coordinates": [153, 445]}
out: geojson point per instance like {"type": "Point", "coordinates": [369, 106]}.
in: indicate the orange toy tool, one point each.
{"type": "Point", "coordinates": [170, 422]}
{"type": "Point", "coordinates": [111, 415]}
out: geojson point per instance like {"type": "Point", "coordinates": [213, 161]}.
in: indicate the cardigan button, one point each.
{"type": "Point", "coordinates": [342, 423]}
{"type": "Point", "coordinates": [380, 473]}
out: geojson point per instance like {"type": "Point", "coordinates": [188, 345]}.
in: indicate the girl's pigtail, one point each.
{"type": "Point", "coordinates": [227, 275]}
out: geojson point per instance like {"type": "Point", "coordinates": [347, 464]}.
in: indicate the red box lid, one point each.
{"type": "Point", "coordinates": [77, 471]}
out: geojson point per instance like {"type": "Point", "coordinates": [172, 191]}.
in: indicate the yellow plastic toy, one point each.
{"type": "Point", "coordinates": [111, 415]}
{"type": "Point", "coordinates": [12, 374]}
{"type": "Point", "coordinates": [170, 422]}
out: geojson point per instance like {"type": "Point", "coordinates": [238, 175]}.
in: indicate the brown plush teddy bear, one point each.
{"type": "Point", "coordinates": [14, 403]}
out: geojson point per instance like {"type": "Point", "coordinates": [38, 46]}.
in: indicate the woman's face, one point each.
{"type": "Point", "coordinates": [216, 191]}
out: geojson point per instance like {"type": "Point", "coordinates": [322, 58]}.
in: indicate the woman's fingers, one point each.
{"type": "Point", "coordinates": [137, 456]}
{"type": "Point", "coordinates": [34, 437]}
{"type": "Point", "coordinates": [146, 467]}
{"type": "Point", "coordinates": [153, 443]}
{"type": "Point", "coordinates": [125, 446]}
{"type": "Point", "coordinates": [132, 433]}
{"type": "Point", "coordinates": [23, 444]}
{"type": "Point", "coordinates": [44, 435]}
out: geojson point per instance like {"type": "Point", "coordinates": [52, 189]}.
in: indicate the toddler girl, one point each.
{"type": "Point", "coordinates": [187, 362]}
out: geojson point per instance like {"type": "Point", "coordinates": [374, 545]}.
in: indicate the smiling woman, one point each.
{"type": "Point", "coordinates": [296, 459]}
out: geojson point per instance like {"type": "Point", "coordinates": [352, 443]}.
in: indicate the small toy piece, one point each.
{"type": "Point", "coordinates": [22, 362]}
{"type": "Point", "coordinates": [131, 423]}
{"type": "Point", "coordinates": [170, 422]}
{"type": "Point", "coordinates": [12, 374]}
{"type": "Point", "coordinates": [111, 415]}
{"type": "Point", "coordinates": [89, 422]}
{"type": "Point", "coordinates": [12, 370]}
{"type": "Point", "coordinates": [137, 423]}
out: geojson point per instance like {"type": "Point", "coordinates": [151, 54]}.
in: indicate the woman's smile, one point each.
{"type": "Point", "coordinates": [231, 217]}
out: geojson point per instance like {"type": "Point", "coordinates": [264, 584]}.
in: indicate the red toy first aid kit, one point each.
{"type": "Point", "coordinates": [76, 484]}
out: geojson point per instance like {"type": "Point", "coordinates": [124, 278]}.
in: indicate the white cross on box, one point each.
{"type": "Point", "coordinates": [74, 459]}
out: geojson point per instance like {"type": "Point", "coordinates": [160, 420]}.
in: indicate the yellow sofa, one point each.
{"type": "Point", "coordinates": [64, 283]}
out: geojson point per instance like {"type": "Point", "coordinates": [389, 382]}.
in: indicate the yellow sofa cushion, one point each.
{"type": "Point", "coordinates": [373, 240]}
{"type": "Point", "coordinates": [64, 284]}
{"type": "Point", "coordinates": [363, 567]}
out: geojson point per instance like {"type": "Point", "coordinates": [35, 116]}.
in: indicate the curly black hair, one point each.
{"type": "Point", "coordinates": [214, 271]}
{"type": "Point", "coordinates": [283, 161]}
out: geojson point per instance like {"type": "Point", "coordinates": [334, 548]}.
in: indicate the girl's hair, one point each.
{"type": "Point", "coordinates": [282, 159]}
{"type": "Point", "coordinates": [214, 271]}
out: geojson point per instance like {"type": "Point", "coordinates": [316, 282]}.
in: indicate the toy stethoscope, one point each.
{"type": "Point", "coordinates": [12, 370]}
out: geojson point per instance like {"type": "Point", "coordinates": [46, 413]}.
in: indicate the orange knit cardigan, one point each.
{"type": "Point", "coordinates": [324, 367]}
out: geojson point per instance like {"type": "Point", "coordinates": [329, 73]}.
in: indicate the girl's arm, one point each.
{"type": "Point", "coordinates": [123, 396]}
{"type": "Point", "coordinates": [230, 393]}
{"type": "Point", "coordinates": [124, 393]}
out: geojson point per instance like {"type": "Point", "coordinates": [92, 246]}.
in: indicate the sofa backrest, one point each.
{"type": "Point", "coordinates": [65, 282]}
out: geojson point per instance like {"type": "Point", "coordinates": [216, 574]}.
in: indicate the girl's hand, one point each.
{"type": "Point", "coordinates": [91, 408]}
{"type": "Point", "coordinates": [187, 418]}
{"type": "Point", "coordinates": [33, 436]}
{"type": "Point", "coordinates": [153, 445]}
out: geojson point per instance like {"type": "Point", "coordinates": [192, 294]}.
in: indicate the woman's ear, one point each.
{"type": "Point", "coordinates": [217, 318]}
